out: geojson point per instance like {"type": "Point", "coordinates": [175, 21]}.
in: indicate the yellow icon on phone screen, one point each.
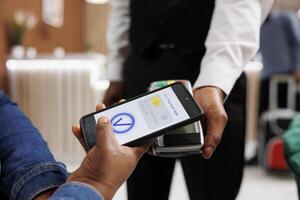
{"type": "Point", "coordinates": [155, 100]}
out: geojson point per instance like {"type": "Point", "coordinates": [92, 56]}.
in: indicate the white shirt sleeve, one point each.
{"type": "Point", "coordinates": [117, 38]}
{"type": "Point", "coordinates": [232, 41]}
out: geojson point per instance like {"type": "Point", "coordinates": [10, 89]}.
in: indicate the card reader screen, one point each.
{"type": "Point", "coordinates": [145, 115]}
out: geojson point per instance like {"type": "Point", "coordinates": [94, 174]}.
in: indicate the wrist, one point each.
{"type": "Point", "coordinates": [104, 189]}
{"type": "Point", "coordinates": [210, 90]}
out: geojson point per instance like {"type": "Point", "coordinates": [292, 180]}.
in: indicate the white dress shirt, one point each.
{"type": "Point", "coordinates": [232, 41]}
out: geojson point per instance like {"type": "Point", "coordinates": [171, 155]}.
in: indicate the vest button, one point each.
{"type": "Point", "coordinates": [167, 46]}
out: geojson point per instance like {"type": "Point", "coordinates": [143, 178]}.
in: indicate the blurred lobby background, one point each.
{"type": "Point", "coordinates": [53, 64]}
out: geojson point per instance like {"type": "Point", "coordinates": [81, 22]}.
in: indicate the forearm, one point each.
{"type": "Point", "coordinates": [232, 41]}
{"type": "Point", "coordinates": [27, 166]}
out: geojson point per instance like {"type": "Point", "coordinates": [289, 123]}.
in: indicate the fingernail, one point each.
{"type": "Point", "coordinates": [208, 152]}
{"type": "Point", "coordinates": [103, 120]}
{"type": "Point", "coordinates": [102, 105]}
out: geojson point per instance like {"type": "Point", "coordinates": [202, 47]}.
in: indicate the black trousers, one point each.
{"type": "Point", "coordinates": [216, 179]}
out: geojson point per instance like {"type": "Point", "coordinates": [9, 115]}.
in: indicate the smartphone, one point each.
{"type": "Point", "coordinates": [146, 116]}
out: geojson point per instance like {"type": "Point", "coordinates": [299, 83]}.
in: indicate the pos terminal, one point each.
{"type": "Point", "coordinates": [183, 141]}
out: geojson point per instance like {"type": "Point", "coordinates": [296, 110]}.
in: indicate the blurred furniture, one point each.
{"type": "Point", "coordinates": [55, 93]}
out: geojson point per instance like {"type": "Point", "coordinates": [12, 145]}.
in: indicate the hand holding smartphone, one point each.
{"type": "Point", "coordinates": [146, 116]}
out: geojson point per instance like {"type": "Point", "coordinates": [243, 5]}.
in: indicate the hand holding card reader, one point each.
{"type": "Point", "coordinates": [146, 116]}
{"type": "Point", "coordinates": [183, 141]}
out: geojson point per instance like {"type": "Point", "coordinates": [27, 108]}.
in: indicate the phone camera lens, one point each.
{"type": "Point", "coordinates": [186, 98]}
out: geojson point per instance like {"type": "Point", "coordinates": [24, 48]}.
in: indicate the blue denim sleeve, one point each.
{"type": "Point", "coordinates": [76, 191]}
{"type": "Point", "coordinates": [27, 166]}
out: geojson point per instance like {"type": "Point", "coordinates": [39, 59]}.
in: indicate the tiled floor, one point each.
{"type": "Point", "coordinates": [257, 185]}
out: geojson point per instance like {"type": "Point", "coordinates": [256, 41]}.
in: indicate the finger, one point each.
{"type": "Point", "coordinates": [142, 149]}
{"type": "Point", "coordinates": [214, 130]}
{"type": "Point", "coordinates": [122, 100]}
{"type": "Point", "coordinates": [100, 106]}
{"type": "Point", "coordinates": [76, 131]}
{"type": "Point", "coordinates": [105, 136]}
{"type": "Point", "coordinates": [78, 134]}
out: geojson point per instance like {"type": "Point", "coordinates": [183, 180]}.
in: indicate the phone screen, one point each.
{"type": "Point", "coordinates": [145, 115]}
{"type": "Point", "coordinates": [189, 129]}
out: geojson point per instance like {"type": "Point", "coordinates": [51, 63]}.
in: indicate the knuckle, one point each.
{"type": "Point", "coordinates": [222, 117]}
{"type": "Point", "coordinates": [100, 126]}
{"type": "Point", "coordinates": [114, 152]}
{"type": "Point", "coordinates": [216, 139]}
{"type": "Point", "coordinates": [136, 154]}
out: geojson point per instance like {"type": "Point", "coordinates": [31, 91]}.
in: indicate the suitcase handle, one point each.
{"type": "Point", "coordinates": [291, 93]}
{"type": "Point", "coordinates": [275, 128]}
{"type": "Point", "coordinates": [273, 116]}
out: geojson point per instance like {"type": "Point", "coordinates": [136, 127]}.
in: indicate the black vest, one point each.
{"type": "Point", "coordinates": [184, 23]}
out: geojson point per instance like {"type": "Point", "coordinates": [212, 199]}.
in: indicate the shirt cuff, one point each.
{"type": "Point", "coordinates": [38, 179]}
{"type": "Point", "coordinates": [114, 70]}
{"type": "Point", "coordinates": [219, 75]}
{"type": "Point", "coordinates": [76, 191]}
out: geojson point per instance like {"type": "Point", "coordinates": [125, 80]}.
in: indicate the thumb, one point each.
{"type": "Point", "coordinates": [104, 136]}
{"type": "Point", "coordinates": [141, 149]}
{"type": "Point", "coordinates": [215, 124]}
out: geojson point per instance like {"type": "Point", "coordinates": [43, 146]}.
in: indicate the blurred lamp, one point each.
{"type": "Point", "coordinates": [97, 1]}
